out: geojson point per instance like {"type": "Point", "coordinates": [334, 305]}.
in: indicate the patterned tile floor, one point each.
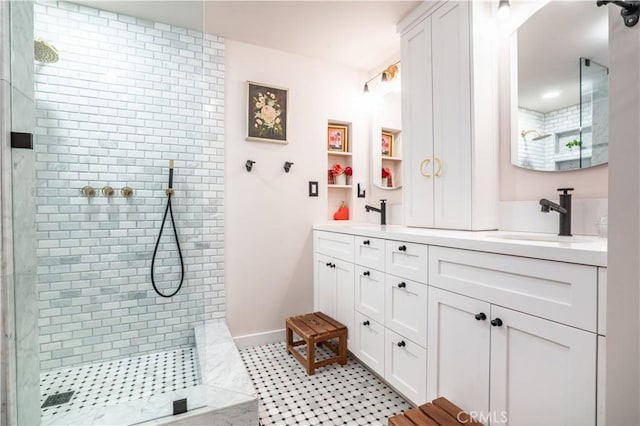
{"type": "Point", "coordinates": [105, 383]}
{"type": "Point", "coordinates": [335, 395]}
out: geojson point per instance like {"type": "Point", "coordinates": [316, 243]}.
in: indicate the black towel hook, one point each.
{"type": "Point", "coordinates": [630, 10]}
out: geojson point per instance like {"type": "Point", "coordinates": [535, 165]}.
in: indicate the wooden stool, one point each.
{"type": "Point", "coordinates": [316, 328]}
{"type": "Point", "coordinates": [438, 412]}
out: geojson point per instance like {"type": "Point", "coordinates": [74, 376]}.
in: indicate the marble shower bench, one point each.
{"type": "Point", "coordinates": [226, 395]}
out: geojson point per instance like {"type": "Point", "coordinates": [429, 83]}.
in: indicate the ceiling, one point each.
{"type": "Point", "coordinates": [550, 44]}
{"type": "Point", "coordinates": [360, 34]}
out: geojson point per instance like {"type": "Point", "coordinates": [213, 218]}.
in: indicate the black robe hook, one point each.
{"type": "Point", "coordinates": [630, 10]}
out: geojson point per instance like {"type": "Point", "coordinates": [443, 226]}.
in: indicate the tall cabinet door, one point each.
{"type": "Point", "coordinates": [458, 344]}
{"type": "Point", "coordinates": [344, 288]}
{"type": "Point", "coordinates": [417, 125]}
{"type": "Point", "coordinates": [323, 283]}
{"type": "Point", "coordinates": [542, 372]}
{"type": "Point", "coordinates": [451, 116]}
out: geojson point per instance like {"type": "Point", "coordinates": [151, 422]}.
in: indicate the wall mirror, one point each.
{"type": "Point", "coordinates": [559, 94]}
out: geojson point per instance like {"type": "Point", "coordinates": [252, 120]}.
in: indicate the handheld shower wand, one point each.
{"type": "Point", "coordinates": [169, 191]}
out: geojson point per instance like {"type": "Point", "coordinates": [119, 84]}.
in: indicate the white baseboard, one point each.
{"type": "Point", "coordinates": [258, 339]}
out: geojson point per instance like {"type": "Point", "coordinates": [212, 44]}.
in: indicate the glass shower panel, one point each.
{"type": "Point", "coordinates": [116, 97]}
{"type": "Point", "coordinates": [594, 113]}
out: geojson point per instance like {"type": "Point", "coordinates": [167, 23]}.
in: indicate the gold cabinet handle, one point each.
{"type": "Point", "coordinates": [437, 173]}
{"type": "Point", "coordinates": [424, 163]}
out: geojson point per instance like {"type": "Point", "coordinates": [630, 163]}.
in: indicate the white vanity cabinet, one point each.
{"type": "Point", "coordinates": [529, 331]}
{"type": "Point", "coordinates": [369, 336]}
{"type": "Point", "coordinates": [333, 278]}
{"type": "Point", "coordinates": [449, 116]}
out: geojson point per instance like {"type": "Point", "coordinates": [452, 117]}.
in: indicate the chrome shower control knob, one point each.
{"type": "Point", "coordinates": [126, 192]}
{"type": "Point", "coordinates": [108, 191]}
{"type": "Point", "coordinates": [88, 191]}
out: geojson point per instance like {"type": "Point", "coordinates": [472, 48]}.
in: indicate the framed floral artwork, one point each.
{"type": "Point", "coordinates": [337, 138]}
{"type": "Point", "coordinates": [266, 113]}
{"type": "Point", "coordinates": [387, 144]}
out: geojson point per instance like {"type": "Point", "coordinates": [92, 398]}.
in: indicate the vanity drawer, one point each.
{"type": "Point", "coordinates": [370, 342]}
{"type": "Point", "coordinates": [405, 310]}
{"type": "Point", "coordinates": [562, 292]}
{"type": "Point", "coordinates": [406, 260]}
{"type": "Point", "coordinates": [405, 366]}
{"type": "Point", "coordinates": [333, 244]}
{"type": "Point", "coordinates": [370, 252]}
{"type": "Point", "coordinates": [370, 292]}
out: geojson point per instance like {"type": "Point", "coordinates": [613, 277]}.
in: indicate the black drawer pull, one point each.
{"type": "Point", "coordinates": [366, 323]}
{"type": "Point", "coordinates": [481, 316]}
{"type": "Point", "coordinates": [402, 285]}
{"type": "Point", "coordinates": [496, 322]}
{"type": "Point", "coordinates": [401, 344]}
{"type": "Point", "coordinates": [329, 264]}
{"type": "Point", "coordinates": [402, 248]}
{"type": "Point", "coordinates": [366, 273]}
{"type": "Point", "coordinates": [366, 242]}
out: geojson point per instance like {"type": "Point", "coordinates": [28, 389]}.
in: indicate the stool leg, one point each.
{"type": "Point", "coordinates": [289, 339]}
{"type": "Point", "coordinates": [342, 349]}
{"type": "Point", "coordinates": [311, 356]}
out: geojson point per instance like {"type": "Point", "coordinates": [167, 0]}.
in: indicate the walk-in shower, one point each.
{"type": "Point", "coordinates": [113, 98]}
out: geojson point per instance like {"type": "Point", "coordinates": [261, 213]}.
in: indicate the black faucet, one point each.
{"type": "Point", "coordinates": [563, 209]}
{"type": "Point", "coordinates": [382, 210]}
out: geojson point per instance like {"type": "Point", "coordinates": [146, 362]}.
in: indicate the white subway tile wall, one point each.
{"type": "Point", "coordinates": [126, 96]}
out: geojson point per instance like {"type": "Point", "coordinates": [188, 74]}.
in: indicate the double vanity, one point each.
{"type": "Point", "coordinates": [507, 325]}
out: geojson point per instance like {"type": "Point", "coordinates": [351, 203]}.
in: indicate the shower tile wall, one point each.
{"type": "Point", "coordinates": [126, 96]}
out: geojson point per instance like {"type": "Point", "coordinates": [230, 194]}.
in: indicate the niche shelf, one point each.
{"type": "Point", "coordinates": [392, 162]}
{"type": "Point", "coordinates": [338, 142]}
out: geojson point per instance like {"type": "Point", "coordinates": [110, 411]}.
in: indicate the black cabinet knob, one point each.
{"type": "Point", "coordinates": [366, 242]}
{"type": "Point", "coordinates": [402, 285]}
{"type": "Point", "coordinates": [496, 322]}
{"type": "Point", "coordinates": [366, 323]}
{"type": "Point", "coordinates": [481, 316]}
{"type": "Point", "coordinates": [401, 344]}
{"type": "Point", "coordinates": [329, 264]}
{"type": "Point", "coordinates": [402, 248]}
{"type": "Point", "coordinates": [366, 273]}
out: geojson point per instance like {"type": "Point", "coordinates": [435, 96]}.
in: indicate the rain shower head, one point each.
{"type": "Point", "coordinates": [43, 52]}
{"type": "Point", "coordinates": [524, 133]}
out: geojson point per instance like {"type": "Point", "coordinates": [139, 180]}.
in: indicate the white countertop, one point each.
{"type": "Point", "coordinates": [586, 250]}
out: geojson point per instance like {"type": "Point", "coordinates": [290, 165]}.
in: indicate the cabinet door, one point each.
{"type": "Point", "coordinates": [542, 372]}
{"type": "Point", "coordinates": [451, 116]}
{"type": "Point", "coordinates": [417, 125]}
{"type": "Point", "coordinates": [458, 344]}
{"type": "Point", "coordinates": [344, 294]}
{"type": "Point", "coordinates": [370, 342]}
{"type": "Point", "coordinates": [405, 366]}
{"type": "Point", "coordinates": [405, 310]}
{"type": "Point", "coordinates": [323, 284]}
{"type": "Point", "coordinates": [370, 293]}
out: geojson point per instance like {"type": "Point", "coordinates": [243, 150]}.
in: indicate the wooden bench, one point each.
{"type": "Point", "coordinates": [316, 328]}
{"type": "Point", "coordinates": [438, 412]}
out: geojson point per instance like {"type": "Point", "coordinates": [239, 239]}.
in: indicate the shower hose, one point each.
{"type": "Point", "coordinates": [168, 210]}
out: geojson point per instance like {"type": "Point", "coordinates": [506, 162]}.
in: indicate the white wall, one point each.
{"type": "Point", "coordinates": [623, 295]}
{"type": "Point", "coordinates": [269, 216]}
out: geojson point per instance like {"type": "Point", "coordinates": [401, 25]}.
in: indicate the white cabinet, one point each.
{"type": "Point", "coordinates": [539, 363]}
{"type": "Point", "coordinates": [334, 290]}
{"type": "Point", "coordinates": [370, 292]}
{"type": "Point", "coordinates": [405, 366]}
{"type": "Point", "coordinates": [406, 308]}
{"type": "Point", "coordinates": [458, 362]}
{"type": "Point", "coordinates": [370, 252]}
{"type": "Point", "coordinates": [449, 117]}
{"type": "Point", "coordinates": [369, 335]}
{"type": "Point", "coordinates": [407, 260]}
{"type": "Point", "coordinates": [508, 364]}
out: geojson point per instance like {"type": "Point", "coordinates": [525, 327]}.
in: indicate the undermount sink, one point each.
{"type": "Point", "coordinates": [549, 238]}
